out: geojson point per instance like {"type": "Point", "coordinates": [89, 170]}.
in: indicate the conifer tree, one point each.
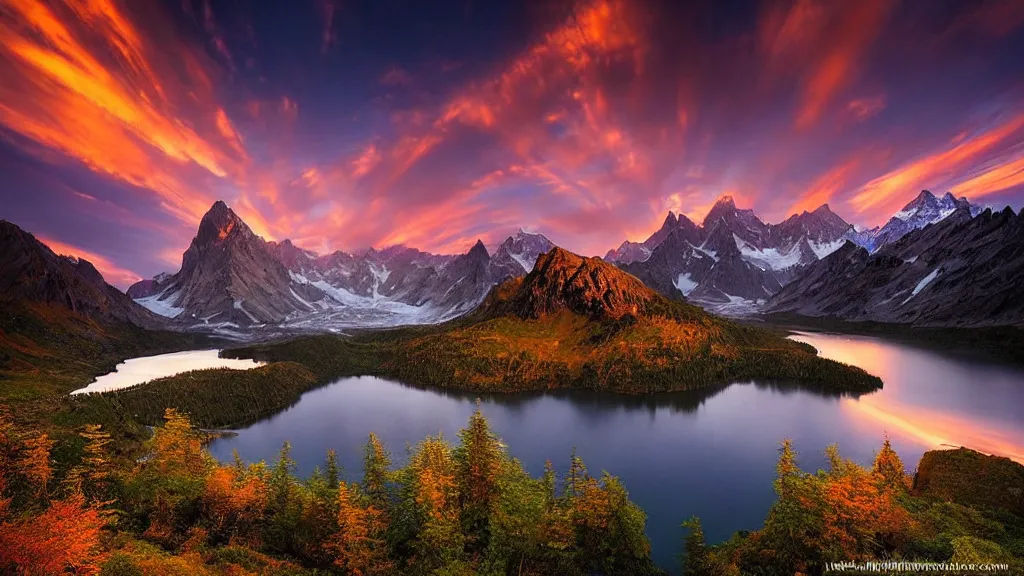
{"type": "Point", "coordinates": [376, 472]}
{"type": "Point", "coordinates": [888, 467]}
{"type": "Point", "coordinates": [479, 459]}
{"type": "Point", "coordinates": [696, 562]}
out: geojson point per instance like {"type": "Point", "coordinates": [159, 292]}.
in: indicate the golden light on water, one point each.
{"type": "Point", "coordinates": [934, 428]}
{"type": "Point", "coordinates": [893, 409]}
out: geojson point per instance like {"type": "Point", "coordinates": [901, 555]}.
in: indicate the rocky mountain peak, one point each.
{"type": "Point", "coordinates": [218, 224]}
{"type": "Point", "coordinates": [563, 281]}
{"type": "Point", "coordinates": [479, 251]}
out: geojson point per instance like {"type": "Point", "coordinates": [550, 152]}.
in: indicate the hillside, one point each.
{"type": "Point", "coordinates": [61, 324]}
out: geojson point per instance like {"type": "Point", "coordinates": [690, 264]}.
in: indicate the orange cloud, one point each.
{"type": "Point", "coordinates": [846, 32]}
{"type": "Point", "coordinates": [822, 190]}
{"type": "Point", "coordinates": [112, 115]}
{"type": "Point", "coordinates": [112, 273]}
{"type": "Point", "coordinates": [999, 178]}
{"type": "Point", "coordinates": [885, 193]}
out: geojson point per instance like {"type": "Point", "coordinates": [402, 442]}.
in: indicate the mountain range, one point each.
{"type": "Point", "coordinates": [733, 262]}
{"type": "Point", "coordinates": [232, 280]}
{"type": "Point", "coordinates": [963, 270]}
{"type": "Point", "coordinates": [939, 260]}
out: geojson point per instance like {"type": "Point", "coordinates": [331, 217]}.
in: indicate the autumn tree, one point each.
{"type": "Point", "coordinates": [64, 538]}
{"type": "Point", "coordinates": [358, 545]}
{"type": "Point", "coordinates": [235, 501]}
{"type": "Point", "coordinates": [888, 467]}
{"type": "Point", "coordinates": [34, 463]}
{"type": "Point", "coordinates": [434, 494]}
{"type": "Point", "coordinates": [166, 487]}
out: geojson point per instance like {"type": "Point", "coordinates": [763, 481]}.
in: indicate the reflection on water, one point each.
{"type": "Point", "coordinates": [148, 368]}
{"type": "Point", "coordinates": [937, 401]}
{"type": "Point", "coordinates": [710, 453]}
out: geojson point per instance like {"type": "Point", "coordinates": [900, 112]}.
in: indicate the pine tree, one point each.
{"type": "Point", "coordinates": [479, 458]}
{"type": "Point", "coordinates": [376, 472]}
{"type": "Point", "coordinates": [888, 467]}
{"type": "Point", "coordinates": [697, 562]}
{"type": "Point", "coordinates": [92, 475]}
{"type": "Point", "coordinates": [331, 469]}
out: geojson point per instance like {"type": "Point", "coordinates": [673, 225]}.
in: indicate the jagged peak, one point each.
{"type": "Point", "coordinates": [823, 209]}
{"type": "Point", "coordinates": [479, 249]}
{"type": "Point", "coordinates": [219, 222]}
{"type": "Point", "coordinates": [725, 200]}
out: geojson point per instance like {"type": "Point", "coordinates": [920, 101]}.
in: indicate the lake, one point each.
{"type": "Point", "coordinates": [146, 368]}
{"type": "Point", "coordinates": [710, 453]}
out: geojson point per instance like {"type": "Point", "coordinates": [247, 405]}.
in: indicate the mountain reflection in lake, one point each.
{"type": "Point", "coordinates": [710, 453]}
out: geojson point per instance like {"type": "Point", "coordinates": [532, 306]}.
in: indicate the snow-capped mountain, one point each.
{"type": "Point", "coordinates": [629, 252]}
{"type": "Point", "coordinates": [229, 277]}
{"type": "Point", "coordinates": [959, 271]}
{"type": "Point", "coordinates": [769, 255]}
{"type": "Point", "coordinates": [733, 261]}
{"type": "Point", "coordinates": [518, 254]}
{"type": "Point", "coordinates": [921, 211]}
{"type": "Point", "coordinates": [232, 280]}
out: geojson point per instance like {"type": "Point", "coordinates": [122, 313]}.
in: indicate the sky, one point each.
{"type": "Point", "coordinates": [345, 124]}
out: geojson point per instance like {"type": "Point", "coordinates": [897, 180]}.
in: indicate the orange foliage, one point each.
{"type": "Point", "coordinates": [358, 546]}
{"type": "Point", "coordinates": [234, 500]}
{"type": "Point", "coordinates": [63, 539]}
{"type": "Point", "coordinates": [34, 463]}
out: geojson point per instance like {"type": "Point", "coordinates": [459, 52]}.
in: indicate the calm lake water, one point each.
{"type": "Point", "coordinates": [710, 454]}
{"type": "Point", "coordinates": [147, 368]}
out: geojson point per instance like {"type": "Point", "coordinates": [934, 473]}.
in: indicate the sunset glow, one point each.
{"type": "Point", "coordinates": [349, 126]}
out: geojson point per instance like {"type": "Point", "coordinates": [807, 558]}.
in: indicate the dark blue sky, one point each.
{"type": "Point", "coordinates": [343, 125]}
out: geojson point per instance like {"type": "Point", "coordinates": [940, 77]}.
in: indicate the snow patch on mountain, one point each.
{"type": "Point", "coordinates": [685, 284]}
{"type": "Point", "coordinates": [162, 306]}
{"type": "Point", "coordinates": [825, 248]}
{"type": "Point", "coordinates": [922, 285]}
{"type": "Point", "coordinates": [770, 258]}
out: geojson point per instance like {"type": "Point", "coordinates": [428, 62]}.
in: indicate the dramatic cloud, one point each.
{"type": "Point", "coordinates": [350, 127]}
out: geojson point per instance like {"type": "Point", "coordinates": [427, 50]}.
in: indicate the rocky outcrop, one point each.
{"type": "Point", "coordinates": [563, 281]}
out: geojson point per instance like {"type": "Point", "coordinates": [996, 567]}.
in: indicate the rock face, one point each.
{"type": "Point", "coordinates": [229, 276]}
{"type": "Point", "coordinates": [960, 271]}
{"type": "Point", "coordinates": [562, 280]}
{"type": "Point", "coordinates": [31, 272]}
